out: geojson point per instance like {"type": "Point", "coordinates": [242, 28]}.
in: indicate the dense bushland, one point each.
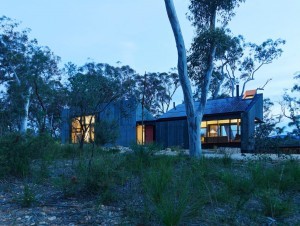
{"type": "Point", "coordinates": [156, 189]}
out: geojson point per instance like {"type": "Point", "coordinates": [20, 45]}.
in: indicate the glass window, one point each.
{"type": "Point", "coordinates": [213, 131]}
{"type": "Point", "coordinates": [225, 130]}
{"type": "Point", "coordinates": [83, 126]}
{"type": "Point", "coordinates": [203, 133]}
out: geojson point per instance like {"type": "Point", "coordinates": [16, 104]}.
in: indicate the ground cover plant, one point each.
{"type": "Point", "coordinates": [145, 188]}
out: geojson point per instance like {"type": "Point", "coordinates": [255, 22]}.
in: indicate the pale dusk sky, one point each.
{"type": "Point", "coordinates": [138, 33]}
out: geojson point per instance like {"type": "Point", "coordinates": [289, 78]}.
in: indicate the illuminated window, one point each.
{"type": "Point", "coordinates": [221, 131]}
{"type": "Point", "coordinates": [140, 131]}
{"type": "Point", "coordinates": [83, 126]}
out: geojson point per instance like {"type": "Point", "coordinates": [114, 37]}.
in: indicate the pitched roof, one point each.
{"type": "Point", "coordinates": [217, 106]}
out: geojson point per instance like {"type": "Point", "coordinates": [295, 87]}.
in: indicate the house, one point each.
{"type": "Point", "coordinates": [227, 122]}
{"type": "Point", "coordinates": [126, 113]}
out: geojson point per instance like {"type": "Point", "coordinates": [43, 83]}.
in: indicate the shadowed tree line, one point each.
{"type": "Point", "coordinates": [34, 88]}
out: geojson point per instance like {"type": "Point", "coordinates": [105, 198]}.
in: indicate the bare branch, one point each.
{"type": "Point", "coordinates": [263, 87]}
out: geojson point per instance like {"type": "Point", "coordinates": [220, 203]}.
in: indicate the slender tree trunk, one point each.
{"type": "Point", "coordinates": [216, 92]}
{"type": "Point", "coordinates": [24, 117]}
{"type": "Point", "coordinates": [192, 118]}
{"type": "Point", "coordinates": [232, 88]}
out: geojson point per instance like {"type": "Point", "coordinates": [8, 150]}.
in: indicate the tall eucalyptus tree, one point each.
{"type": "Point", "coordinates": [204, 16]}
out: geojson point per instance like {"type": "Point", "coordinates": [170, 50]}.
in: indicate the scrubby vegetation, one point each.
{"type": "Point", "coordinates": [155, 189]}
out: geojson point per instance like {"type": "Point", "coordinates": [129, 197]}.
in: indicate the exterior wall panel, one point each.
{"type": "Point", "coordinates": [120, 112]}
{"type": "Point", "coordinates": [172, 133]}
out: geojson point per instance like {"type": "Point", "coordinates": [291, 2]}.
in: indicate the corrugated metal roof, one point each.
{"type": "Point", "coordinates": [217, 106]}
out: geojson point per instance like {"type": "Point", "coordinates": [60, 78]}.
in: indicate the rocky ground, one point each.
{"type": "Point", "coordinates": [50, 207]}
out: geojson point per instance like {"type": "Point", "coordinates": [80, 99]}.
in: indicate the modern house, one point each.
{"type": "Point", "coordinates": [227, 122]}
{"type": "Point", "coordinates": [125, 113]}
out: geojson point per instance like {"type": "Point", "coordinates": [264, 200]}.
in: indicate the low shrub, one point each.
{"type": "Point", "coordinates": [101, 173]}
{"type": "Point", "coordinates": [18, 150]}
{"type": "Point", "coordinates": [14, 155]}
{"type": "Point", "coordinates": [169, 191]}
{"type": "Point", "coordinates": [142, 156]}
{"type": "Point", "coordinates": [106, 132]}
{"type": "Point", "coordinates": [274, 205]}
{"type": "Point", "coordinates": [28, 197]}
{"type": "Point", "coordinates": [69, 185]}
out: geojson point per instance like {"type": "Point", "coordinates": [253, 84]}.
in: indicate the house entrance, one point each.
{"type": "Point", "coordinates": [145, 134]}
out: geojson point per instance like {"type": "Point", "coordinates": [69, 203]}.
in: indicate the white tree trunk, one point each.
{"type": "Point", "coordinates": [193, 118]}
{"type": "Point", "coordinates": [24, 117]}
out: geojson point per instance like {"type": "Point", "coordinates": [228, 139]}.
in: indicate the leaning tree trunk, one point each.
{"type": "Point", "coordinates": [193, 118]}
{"type": "Point", "coordinates": [24, 117]}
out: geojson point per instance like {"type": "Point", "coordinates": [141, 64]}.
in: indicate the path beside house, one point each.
{"type": "Point", "coordinates": [233, 153]}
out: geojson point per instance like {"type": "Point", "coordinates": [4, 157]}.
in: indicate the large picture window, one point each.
{"type": "Point", "coordinates": [221, 131]}
{"type": "Point", "coordinates": [83, 126]}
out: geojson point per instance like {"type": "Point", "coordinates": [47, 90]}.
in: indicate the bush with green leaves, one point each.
{"type": "Point", "coordinates": [142, 156]}
{"type": "Point", "coordinates": [18, 150]}
{"type": "Point", "coordinates": [101, 174]}
{"type": "Point", "coordinates": [106, 132]}
{"type": "Point", "coordinates": [169, 193]}
{"type": "Point", "coordinates": [274, 205]}
{"type": "Point", "coordinates": [69, 185]}
{"type": "Point", "coordinates": [28, 197]}
{"type": "Point", "coordinates": [14, 155]}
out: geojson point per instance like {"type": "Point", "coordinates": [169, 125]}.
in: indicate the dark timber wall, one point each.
{"type": "Point", "coordinates": [65, 126]}
{"type": "Point", "coordinates": [172, 133]}
{"type": "Point", "coordinates": [254, 111]}
{"type": "Point", "coordinates": [125, 113]}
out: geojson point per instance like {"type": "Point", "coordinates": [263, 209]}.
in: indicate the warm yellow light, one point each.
{"type": "Point", "coordinates": [87, 122]}
{"type": "Point", "coordinates": [140, 134]}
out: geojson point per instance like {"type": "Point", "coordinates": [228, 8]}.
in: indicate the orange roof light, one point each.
{"type": "Point", "coordinates": [249, 94]}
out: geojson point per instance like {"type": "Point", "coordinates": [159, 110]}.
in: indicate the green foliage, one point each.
{"type": "Point", "coordinates": [28, 197]}
{"type": "Point", "coordinates": [17, 152]}
{"type": "Point", "coordinates": [291, 176]}
{"type": "Point", "coordinates": [263, 143]}
{"type": "Point", "coordinates": [284, 177]}
{"type": "Point", "coordinates": [69, 185]}
{"type": "Point", "coordinates": [156, 180]}
{"type": "Point", "coordinates": [290, 106]}
{"type": "Point", "coordinates": [106, 132]}
{"type": "Point", "coordinates": [274, 206]}
{"type": "Point", "coordinates": [14, 155]}
{"type": "Point", "coordinates": [101, 174]}
{"type": "Point", "coordinates": [238, 189]}
{"type": "Point", "coordinates": [155, 90]}
{"type": "Point", "coordinates": [226, 159]}
{"type": "Point", "coordinates": [203, 11]}
{"type": "Point", "coordinates": [181, 202]}
{"type": "Point", "coordinates": [31, 73]}
{"type": "Point", "coordinates": [142, 156]}
{"type": "Point", "coordinates": [159, 189]}
{"type": "Point", "coordinates": [170, 195]}
{"type": "Point", "coordinates": [68, 151]}
{"type": "Point", "coordinates": [234, 59]}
